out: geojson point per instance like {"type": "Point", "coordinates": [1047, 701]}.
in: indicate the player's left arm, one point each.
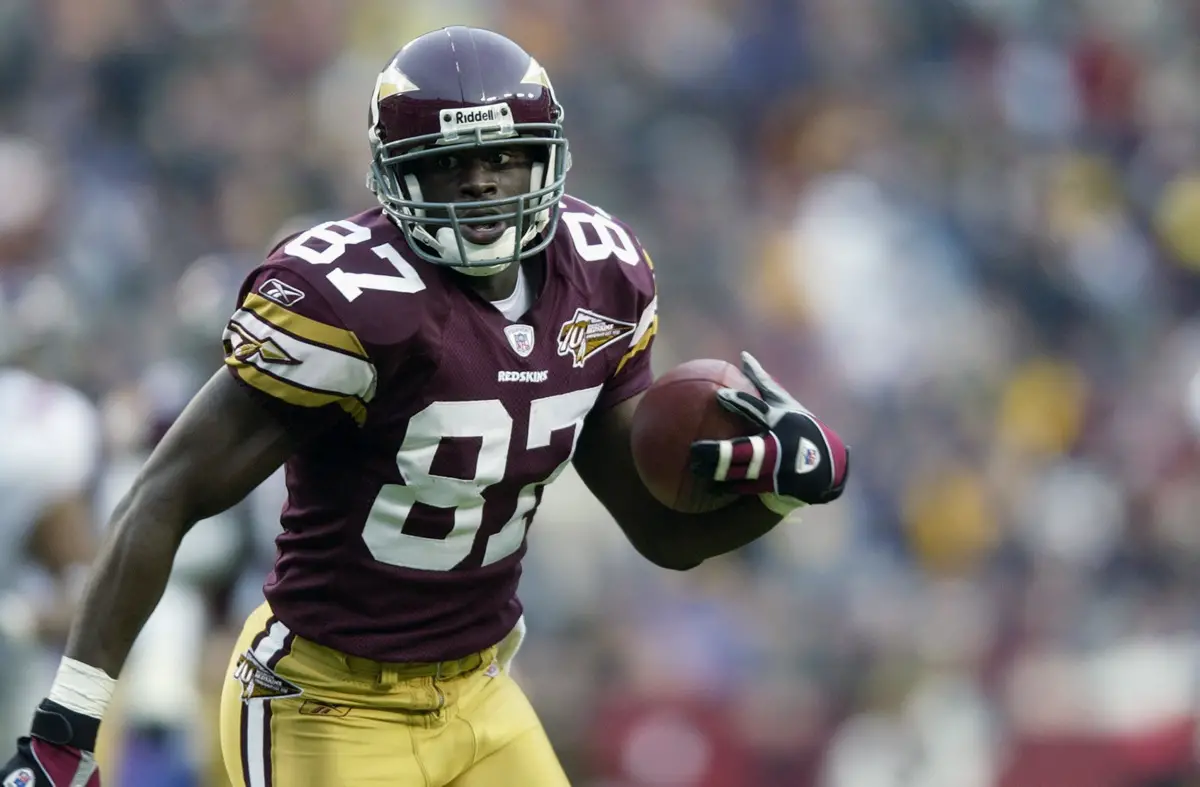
{"type": "Point", "coordinates": [667, 538]}
{"type": "Point", "coordinates": [794, 461]}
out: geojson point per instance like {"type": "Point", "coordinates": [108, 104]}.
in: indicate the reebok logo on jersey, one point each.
{"type": "Point", "coordinates": [520, 338]}
{"type": "Point", "coordinates": [587, 333]}
{"type": "Point", "coordinates": [523, 377]}
{"type": "Point", "coordinates": [21, 778]}
{"type": "Point", "coordinates": [281, 292]}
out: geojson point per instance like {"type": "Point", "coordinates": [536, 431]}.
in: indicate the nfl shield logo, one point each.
{"type": "Point", "coordinates": [808, 458]}
{"type": "Point", "coordinates": [520, 338]}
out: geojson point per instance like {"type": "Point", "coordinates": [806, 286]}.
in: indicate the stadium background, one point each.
{"type": "Point", "coordinates": [966, 232]}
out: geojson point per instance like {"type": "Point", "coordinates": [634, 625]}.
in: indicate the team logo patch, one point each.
{"type": "Point", "coordinates": [281, 292]}
{"type": "Point", "coordinates": [808, 458]}
{"type": "Point", "coordinates": [21, 778]}
{"type": "Point", "coordinates": [587, 333]}
{"type": "Point", "coordinates": [260, 683]}
{"type": "Point", "coordinates": [520, 338]}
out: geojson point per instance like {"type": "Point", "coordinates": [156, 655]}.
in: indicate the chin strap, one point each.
{"type": "Point", "coordinates": [503, 248]}
{"type": "Point", "coordinates": [481, 270]}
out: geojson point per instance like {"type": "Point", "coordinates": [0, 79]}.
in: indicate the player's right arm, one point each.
{"type": "Point", "coordinates": [222, 446]}
{"type": "Point", "coordinates": [292, 369]}
{"type": "Point", "coordinates": [290, 373]}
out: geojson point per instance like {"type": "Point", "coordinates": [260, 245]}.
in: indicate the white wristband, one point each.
{"type": "Point", "coordinates": [82, 688]}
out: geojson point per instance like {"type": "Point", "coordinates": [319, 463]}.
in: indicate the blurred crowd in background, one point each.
{"type": "Point", "coordinates": [965, 232]}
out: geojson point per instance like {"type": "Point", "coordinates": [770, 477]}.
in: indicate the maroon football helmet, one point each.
{"type": "Point", "coordinates": [456, 88]}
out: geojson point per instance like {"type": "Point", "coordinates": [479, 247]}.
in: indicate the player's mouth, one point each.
{"type": "Point", "coordinates": [482, 233]}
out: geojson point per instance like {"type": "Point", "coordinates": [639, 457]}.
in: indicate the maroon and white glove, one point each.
{"type": "Point", "coordinates": [57, 752]}
{"type": "Point", "coordinates": [796, 461]}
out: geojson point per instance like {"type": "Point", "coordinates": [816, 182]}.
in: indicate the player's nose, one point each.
{"type": "Point", "coordinates": [476, 181]}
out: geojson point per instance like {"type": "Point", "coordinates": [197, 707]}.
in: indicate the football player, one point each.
{"type": "Point", "coordinates": [423, 370]}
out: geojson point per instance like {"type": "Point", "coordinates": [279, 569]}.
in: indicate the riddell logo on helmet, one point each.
{"type": "Point", "coordinates": [492, 119]}
{"type": "Point", "coordinates": [475, 116]}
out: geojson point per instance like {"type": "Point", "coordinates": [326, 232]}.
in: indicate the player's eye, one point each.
{"type": "Point", "coordinates": [446, 163]}
{"type": "Point", "coordinates": [499, 158]}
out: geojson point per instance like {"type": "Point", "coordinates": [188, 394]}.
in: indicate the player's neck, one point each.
{"type": "Point", "coordinates": [496, 287]}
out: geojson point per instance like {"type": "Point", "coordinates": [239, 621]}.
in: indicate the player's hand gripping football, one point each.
{"type": "Point", "coordinates": [57, 753]}
{"type": "Point", "coordinates": [797, 461]}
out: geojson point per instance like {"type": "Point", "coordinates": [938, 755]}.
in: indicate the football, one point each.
{"type": "Point", "coordinates": [677, 409]}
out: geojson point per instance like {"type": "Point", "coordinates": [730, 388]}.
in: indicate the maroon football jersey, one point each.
{"type": "Point", "coordinates": [435, 421]}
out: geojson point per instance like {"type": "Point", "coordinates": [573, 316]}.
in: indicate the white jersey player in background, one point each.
{"type": "Point", "coordinates": [50, 439]}
{"type": "Point", "coordinates": [49, 453]}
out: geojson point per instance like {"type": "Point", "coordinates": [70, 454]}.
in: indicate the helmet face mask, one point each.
{"type": "Point", "coordinates": [425, 106]}
{"type": "Point", "coordinates": [529, 215]}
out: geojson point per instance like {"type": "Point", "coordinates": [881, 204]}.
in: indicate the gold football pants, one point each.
{"type": "Point", "coordinates": [297, 714]}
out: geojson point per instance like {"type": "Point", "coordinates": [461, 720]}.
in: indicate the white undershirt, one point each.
{"type": "Point", "coordinates": [519, 302]}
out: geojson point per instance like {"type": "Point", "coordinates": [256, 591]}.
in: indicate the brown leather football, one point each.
{"type": "Point", "coordinates": [679, 408]}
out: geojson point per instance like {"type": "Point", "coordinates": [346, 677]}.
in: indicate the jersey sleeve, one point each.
{"type": "Point", "coordinates": [290, 347]}
{"type": "Point", "coordinates": [633, 373]}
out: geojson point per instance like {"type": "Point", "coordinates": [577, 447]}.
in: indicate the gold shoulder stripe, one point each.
{"type": "Point", "coordinates": [297, 395]}
{"type": "Point", "coordinates": [252, 341]}
{"type": "Point", "coordinates": [305, 328]}
{"type": "Point", "coordinates": [647, 327]}
{"type": "Point", "coordinates": [641, 344]}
